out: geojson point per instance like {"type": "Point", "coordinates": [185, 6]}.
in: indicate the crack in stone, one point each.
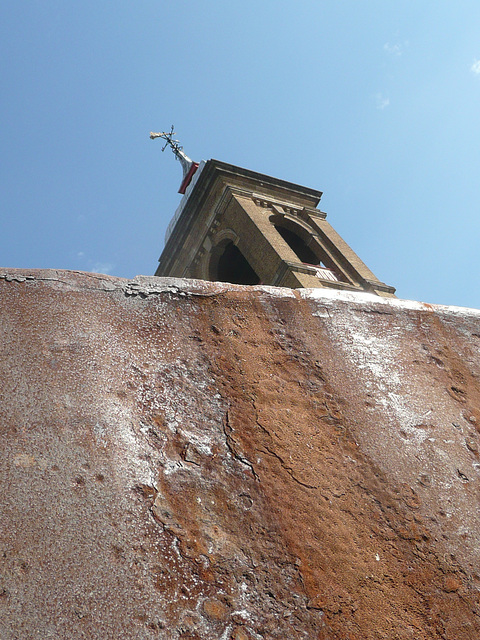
{"type": "Point", "coordinates": [288, 469]}
{"type": "Point", "coordinates": [232, 444]}
{"type": "Point", "coordinates": [267, 450]}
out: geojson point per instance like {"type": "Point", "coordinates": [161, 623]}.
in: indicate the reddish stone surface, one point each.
{"type": "Point", "coordinates": [191, 460]}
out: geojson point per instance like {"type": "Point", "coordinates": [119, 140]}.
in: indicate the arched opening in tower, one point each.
{"type": "Point", "coordinates": [232, 266]}
{"type": "Point", "coordinates": [298, 246]}
{"type": "Point", "coordinates": [325, 268]}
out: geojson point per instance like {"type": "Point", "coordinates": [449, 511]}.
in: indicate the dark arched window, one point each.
{"type": "Point", "coordinates": [298, 246]}
{"type": "Point", "coordinates": [326, 269]}
{"type": "Point", "coordinates": [230, 265]}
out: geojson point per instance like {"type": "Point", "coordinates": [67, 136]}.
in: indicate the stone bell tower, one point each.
{"type": "Point", "coordinates": [236, 225]}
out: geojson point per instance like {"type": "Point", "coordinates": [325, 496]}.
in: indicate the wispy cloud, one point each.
{"type": "Point", "coordinates": [381, 101]}
{"type": "Point", "coordinates": [395, 49]}
{"type": "Point", "coordinates": [101, 267]}
{"type": "Point", "coordinates": [475, 67]}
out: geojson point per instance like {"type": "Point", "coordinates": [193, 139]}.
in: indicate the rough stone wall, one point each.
{"type": "Point", "coordinates": [191, 460]}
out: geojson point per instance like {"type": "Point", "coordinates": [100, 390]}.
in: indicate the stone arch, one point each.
{"type": "Point", "coordinates": [227, 263]}
{"type": "Point", "coordinates": [299, 239]}
{"type": "Point", "coordinates": [305, 244]}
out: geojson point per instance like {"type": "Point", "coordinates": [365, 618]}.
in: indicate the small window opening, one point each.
{"type": "Point", "coordinates": [324, 267]}
{"type": "Point", "coordinates": [298, 246]}
{"type": "Point", "coordinates": [234, 267]}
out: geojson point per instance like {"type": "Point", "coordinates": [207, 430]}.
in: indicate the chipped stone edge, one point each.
{"type": "Point", "coordinates": [144, 286]}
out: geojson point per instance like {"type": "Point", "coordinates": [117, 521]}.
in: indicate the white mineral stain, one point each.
{"type": "Point", "coordinates": [394, 303]}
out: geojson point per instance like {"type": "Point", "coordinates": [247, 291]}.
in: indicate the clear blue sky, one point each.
{"type": "Point", "coordinates": [375, 102]}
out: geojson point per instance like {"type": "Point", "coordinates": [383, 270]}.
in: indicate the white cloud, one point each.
{"type": "Point", "coordinates": [396, 49]}
{"type": "Point", "coordinates": [381, 101]}
{"type": "Point", "coordinates": [80, 254]}
{"type": "Point", "coordinates": [476, 67]}
{"type": "Point", "coordinates": [101, 267]}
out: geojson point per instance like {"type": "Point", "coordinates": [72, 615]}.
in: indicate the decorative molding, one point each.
{"type": "Point", "coordinates": [266, 202]}
{"type": "Point", "coordinates": [261, 202]}
{"type": "Point", "coordinates": [312, 270]}
{"type": "Point", "coordinates": [305, 213]}
{"type": "Point", "coordinates": [223, 202]}
{"type": "Point", "coordinates": [302, 267]}
{"type": "Point", "coordinates": [280, 273]}
{"type": "Point", "coordinates": [379, 286]}
{"type": "Point", "coordinates": [225, 234]}
{"type": "Point", "coordinates": [300, 222]}
{"type": "Point", "coordinates": [203, 267]}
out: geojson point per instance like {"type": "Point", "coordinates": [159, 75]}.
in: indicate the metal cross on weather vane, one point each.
{"type": "Point", "coordinates": [168, 137]}
{"type": "Point", "coordinates": [188, 165]}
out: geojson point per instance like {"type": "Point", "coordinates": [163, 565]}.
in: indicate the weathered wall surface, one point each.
{"type": "Point", "coordinates": [182, 459]}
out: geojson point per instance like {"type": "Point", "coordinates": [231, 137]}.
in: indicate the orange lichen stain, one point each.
{"type": "Point", "coordinates": [451, 584]}
{"type": "Point", "coordinates": [240, 634]}
{"type": "Point", "coordinates": [215, 609]}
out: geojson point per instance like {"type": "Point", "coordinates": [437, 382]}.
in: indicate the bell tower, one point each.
{"type": "Point", "coordinates": [236, 225]}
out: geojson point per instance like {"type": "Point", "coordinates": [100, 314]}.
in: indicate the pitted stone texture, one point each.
{"type": "Point", "coordinates": [192, 460]}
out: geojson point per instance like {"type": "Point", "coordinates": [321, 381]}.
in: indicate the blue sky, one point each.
{"type": "Point", "coordinates": [376, 103]}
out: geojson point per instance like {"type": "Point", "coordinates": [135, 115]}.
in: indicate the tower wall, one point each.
{"type": "Point", "coordinates": [232, 205]}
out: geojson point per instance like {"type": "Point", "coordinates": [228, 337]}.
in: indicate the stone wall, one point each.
{"type": "Point", "coordinates": [193, 460]}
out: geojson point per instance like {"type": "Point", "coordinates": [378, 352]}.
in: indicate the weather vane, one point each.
{"type": "Point", "coordinates": [188, 165]}
{"type": "Point", "coordinates": [168, 137]}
